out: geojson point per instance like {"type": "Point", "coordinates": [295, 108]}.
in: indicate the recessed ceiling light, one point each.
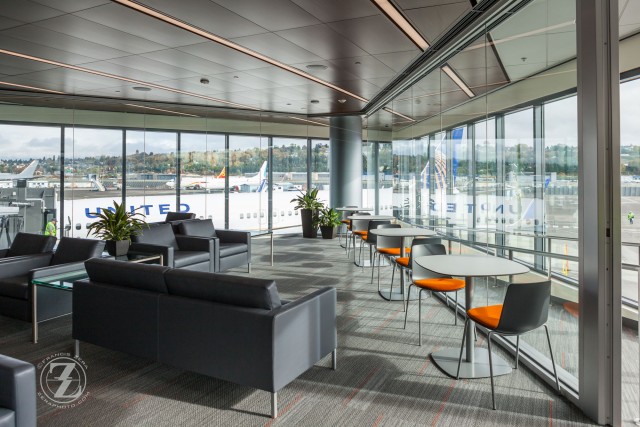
{"type": "Point", "coordinates": [357, 62]}
{"type": "Point", "coordinates": [228, 43]}
{"type": "Point", "coordinates": [142, 88]}
{"type": "Point", "coordinates": [342, 101]}
{"type": "Point", "coordinates": [236, 77]}
{"type": "Point", "coordinates": [204, 81]}
{"type": "Point", "coordinates": [316, 67]}
{"type": "Point", "coordinates": [314, 101]}
{"type": "Point", "coordinates": [288, 103]}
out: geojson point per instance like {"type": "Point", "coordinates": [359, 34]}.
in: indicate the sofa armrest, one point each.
{"type": "Point", "coordinates": [54, 270]}
{"type": "Point", "coordinates": [192, 243]}
{"type": "Point", "coordinates": [3, 252]}
{"type": "Point", "coordinates": [233, 236]}
{"type": "Point", "coordinates": [147, 248]}
{"type": "Point", "coordinates": [18, 266]}
{"type": "Point", "coordinates": [304, 332]}
{"type": "Point", "coordinates": [18, 381]}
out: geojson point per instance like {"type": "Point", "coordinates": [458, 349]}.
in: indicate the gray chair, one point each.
{"type": "Point", "coordinates": [525, 308]}
{"type": "Point", "coordinates": [358, 228]}
{"type": "Point", "coordinates": [17, 393]}
{"type": "Point", "coordinates": [177, 251]}
{"type": "Point", "coordinates": [232, 247]}
{"type": "Point", "coordinates": [427, 280]}
{"type": "Point", "coordinates": [371, 239]}
{"type": "Point", "coordinates": [16, 275]}
{"type": "Point", "coordinates": [404, 263]}
{"type": "Point", "coordinates": [28, 244]}
{"type": "Point", "coordinates": [383, 244]}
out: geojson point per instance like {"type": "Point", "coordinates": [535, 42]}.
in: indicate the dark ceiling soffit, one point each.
{"type": "Point", "coordinates": [485, 16]}
{"type": "Point", "coordinates": [495, 53]}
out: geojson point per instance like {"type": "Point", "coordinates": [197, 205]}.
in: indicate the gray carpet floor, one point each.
{"type": "Point", "coordinates": [383, 378]}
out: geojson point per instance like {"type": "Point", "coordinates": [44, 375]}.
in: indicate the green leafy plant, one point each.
{"type": "Point", "coordinates": [117, 224]}
{"type": "Point", "coordinates": [308, 200]}
{"type": "Point", "coordinates": [329, 217]}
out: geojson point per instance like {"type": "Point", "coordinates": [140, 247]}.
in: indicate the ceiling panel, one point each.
{"type": "Point", "coordinates": [374, 34]}
{"type": "Point", "coordinates": [322, 41]}
{"type": "Point", "coordinates": [8, 23]}
{"type": "Point", "coordinates": [337, 10]}
{"type": "Point", "coordinates": [26, 11]}
{"type": "Point", "coordinates": [142, 63]}
{"type": "Point", "coordinates": [280, 15]}
{"type": "Point", "coordinates": [187, 61]}
{"type": "Point", "coordinates": [210, 16]}
{"type": "Point", "coordinates": [56, 40]}
{"type": "Point", "coordinates": [223, 55]}
{"type": "Point", "coordinates": [70, 6]}
{"type": "Point", "coordinates": [100, 34]}
{"type": "Point", "coordinates": [433, 20]}
{"type": "Point", "coordinates": [365, 67]}
{"type": "Point", "coordinates": [277, 48]}
{"type": "Point", "coordinates": [129, 21]}
{"type": "Point", "coordinates": [23, 46]}
{"type": "Point", "coordinates": [398, 61]}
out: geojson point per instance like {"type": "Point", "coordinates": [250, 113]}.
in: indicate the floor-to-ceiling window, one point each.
{"type": "Point", "coordinates": [289, 178]}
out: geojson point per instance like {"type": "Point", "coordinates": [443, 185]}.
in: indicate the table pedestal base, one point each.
{"type": "Point", "coordinates": [447, 360]}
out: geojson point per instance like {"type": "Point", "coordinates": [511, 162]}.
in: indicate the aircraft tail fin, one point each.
{"type": "Point", "coordinates": [28, 171]}
{"type": "Point", "coordinates": [223, 173]}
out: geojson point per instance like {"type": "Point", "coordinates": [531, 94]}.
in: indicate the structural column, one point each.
{"type": "Point", "coordinates": [599, 208]}
{"type": "Point", "coordinates": [345, 178]}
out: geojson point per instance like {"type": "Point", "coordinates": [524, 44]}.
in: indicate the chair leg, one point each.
{"type": "Point", "coordinates": [406, 311]}
{"type": "Point", "coordinates": [464, 334]}
{"type": "Point", "coordinates": [493, 396]}
{"type": "Point", "coordinates": [373, 265]}
{"type": "Point", "coordinates": [379, 262]}
{"type": "Point", "coordinates": [334, 359]}
{"type": "Point", "coordinates": [517, 350]}
{"type": "Point", "coordinates": [248, 267]}
{"type": "Point", "coordinates": [274, 405]}
{"type": "Point", "coordinates": [553, 363]}
{"type": "Point", "coordinates": [455, 310]}
{"type": "Point", "coordinates": [420, 317]}
{"type": "Point", "coordinates": [76, 348]}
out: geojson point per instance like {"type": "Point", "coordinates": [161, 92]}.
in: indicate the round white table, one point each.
{"type": "Point", "coordinates": [351, 209]}
{"type": "Point", "coordinates": [475, 364]}
{"type": "Point", "coordinates": [370, 218]}
{"type": "Point", "coordinates": [405, 233]}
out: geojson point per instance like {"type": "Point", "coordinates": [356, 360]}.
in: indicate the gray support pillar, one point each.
{"type": "Point", "coordinates": [599, 209]}
{"type": "Point", "coordinates": [345, 178]}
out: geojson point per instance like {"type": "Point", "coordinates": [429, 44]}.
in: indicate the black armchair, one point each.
{"type": "Point", "coordinates": [177, 251]}
{"type": "Point", "coordinates": [16, 275]}
{"type": "Point", "coordinates": [179, 216]}
{"type": "Point", "coordinates": [28, 244]}
{"type": "Point", "coordinates": [17, 393]}
{"type": "Point", "coordinates": [234, 247]}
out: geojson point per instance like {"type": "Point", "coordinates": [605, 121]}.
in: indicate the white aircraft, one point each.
{"type": "Point", "coordinates": [217, 182]}
{"type": "Point", "coordinates": [6, 179]}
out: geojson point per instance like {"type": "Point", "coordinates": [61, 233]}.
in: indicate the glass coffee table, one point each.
{"type": "Point", "coordinates": [58, 287]}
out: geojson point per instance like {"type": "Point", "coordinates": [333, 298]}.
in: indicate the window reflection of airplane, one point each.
{"type": "Point", "coordinates": [218, 182]}
{"type": "Point", "coordinates": [6, 179]}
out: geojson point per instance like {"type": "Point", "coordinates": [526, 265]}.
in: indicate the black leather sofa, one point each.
{"type": "Point", "coordinates": [28, 244]}
{"type": "Point", "coordinates": [17, 393]}
{"type": "Point", "coordinates": [228, 327]}
{"type": "Point", "coordinates": [232, 248]}
{"type": "Point", "coordinates": [17, 273]}
{"type": "Point", "coordinates": [177, 251]}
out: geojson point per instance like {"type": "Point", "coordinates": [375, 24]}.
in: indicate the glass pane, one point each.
{"type": "Point", "coordinates": [290, 177]}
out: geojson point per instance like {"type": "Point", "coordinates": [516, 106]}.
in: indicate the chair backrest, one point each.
{"type": "Point", "coordinates": [198, 228]}
{"type": "Point", "coordinates": [28, 244]}
{"type": "Point", "coordinates": [427, 249]}
{"type": "Point", "coordinates": [72, 249]}
{"type": "Point", "coordinates": [525, 307]}
{"type": "Point", "coordinates": [359, 224]}
{"type": "Point", "coordinates": [161, 235]}
{"type": "Point", "coordinates": [176, 216]}
{"type": "Point", "coordinates": [372, 238]}
{"type": "Point", "coordinates": [419, 241]}
{"type": "Point", "coordinates": [389, 242]}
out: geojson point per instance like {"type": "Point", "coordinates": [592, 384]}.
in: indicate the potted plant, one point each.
{"type": "Point", "coordinates": [329, 219]}
{"type": "Point", "coordinates": [116, 226]}
{"type": "Point", "coordinates": [309, 205]}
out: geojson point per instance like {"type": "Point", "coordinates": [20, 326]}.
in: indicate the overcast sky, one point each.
{"type": "Point", "coordinates": [36, 142]}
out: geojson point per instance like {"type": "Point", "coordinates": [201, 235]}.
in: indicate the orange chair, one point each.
{"type": "Point", "coordinates": [427, 280]}
{"type": "Point", "coordinates": [525, 308]}
{"type": "Point", "coordinates": [404, 263]}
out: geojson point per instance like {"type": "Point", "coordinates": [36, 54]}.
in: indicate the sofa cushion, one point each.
{"type": "Point", "coordinates": [75, 250]}
{"type": "Point", "coordinates": [127, 274]}
{"type": "Point", "coordinates": [223, 289]}
{"type": "Point", "coordinates": [161, 235]}
{"type": "Point", "coordinates": [228, 249]}
{"type": "Point", "coordinates": [186, 258]}
{"type": "Point", "coordinates": [7, 417]}
{"type": "Point", "coordinates": [27, 244]}
{"type": "Point", "coordinates": [15, 287]}
{"type": "Point", "coordinates": [200, 228]}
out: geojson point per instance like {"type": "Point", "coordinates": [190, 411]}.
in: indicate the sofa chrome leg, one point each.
{"type": "Point", "coordinates": [249, 268]}
{"type": "Point", "coordinates": [334, 358]}
{"type": "Point", "coordinates": [76, 348]}
{"type": "Point", "coordinates": [274, 405]}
